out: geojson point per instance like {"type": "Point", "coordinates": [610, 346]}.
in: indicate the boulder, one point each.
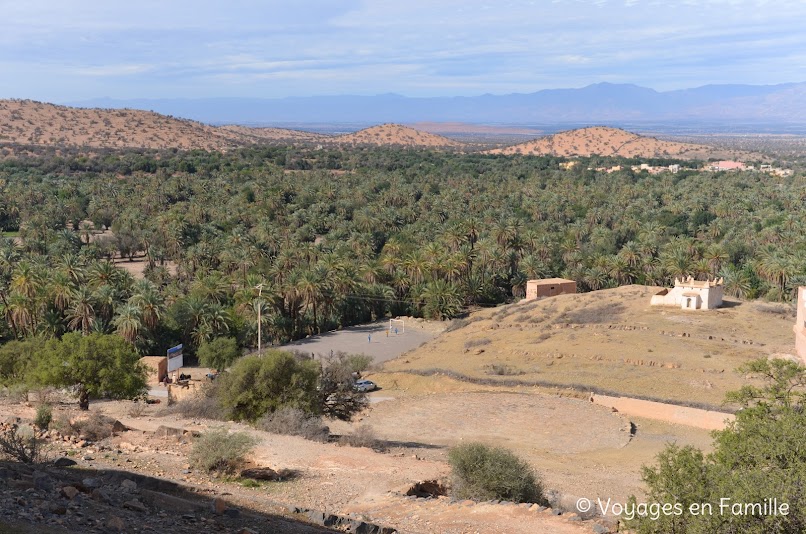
{"type": "Point", "coordinates": [266, 473]}
{"type": "Point", "coordinates": [64, 461]}
{"type": "Point", "coordinates": [115, 523]}
{"type": "Point", "coordinates": [42, 481]}
{"type": "Point", "coordinates": [168, 432]}
{"type": "Point", "coordinates": [69, 492]}
{"type": "Point", "coordinates": [135, 505]}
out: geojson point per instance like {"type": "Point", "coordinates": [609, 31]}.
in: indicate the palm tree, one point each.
{"type": "Point", "coordinates": [81, 313]}
{"type": "Point", "coordinates": [151, 305]}
{"type": "Point", "coordinates": [128, 322]}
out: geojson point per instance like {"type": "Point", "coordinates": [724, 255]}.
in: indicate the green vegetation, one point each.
{"type": "Point", "coordinates": [219, 353]}
{"type": "Point", "coordinates": [44, 415]}
{"type": "Point", "coordinates": [94, 364]}
{"type": "Point", "coordinates": [395, 232]}
{"type": "Point", "coordinates": [220, 451]}
{"type": "Point", "coordinates": [483, 473]}
{"type": "Point", "coordinates": [756, 459]}
{"type": "Point", "coordinates": [256, 386]}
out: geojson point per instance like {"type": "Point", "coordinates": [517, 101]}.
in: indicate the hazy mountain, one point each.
{"type": "Point", "coordinates": [603, 102]}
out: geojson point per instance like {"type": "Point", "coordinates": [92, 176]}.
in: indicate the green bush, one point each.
{"type": "Point", "coordinates": [44, 415]}
{"type": "Point", "coordinates": [758, 456]}
{"type": "Point", "coordinates": [218, 450]}
{"type": "Point", "coordinates": [482, 472]}
{"type": "Point", "coordinates": [256, 386]}
{"type": "Point", "coordinates": [219, 353]}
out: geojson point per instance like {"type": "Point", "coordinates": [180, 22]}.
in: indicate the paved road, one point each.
{"type": "Point", "coordinates": [355, 340]}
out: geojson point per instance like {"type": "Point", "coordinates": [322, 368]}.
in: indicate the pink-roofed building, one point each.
{"type": "Point", "coordinates": [727, 166]}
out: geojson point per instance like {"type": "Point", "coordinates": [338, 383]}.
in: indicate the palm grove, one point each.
{"type": "Point", "coordinates": [311, 240]}
{"type": "Point", "coordinates": [335, 238]}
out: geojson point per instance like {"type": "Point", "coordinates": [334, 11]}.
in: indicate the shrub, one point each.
{"type": "Point", "coordinates": [358, 363]}
{"type": "Point", "coordinates": [94, 427]}
{"type": "Point", "coordinates": [203, 404]}
{"type": "Point", "coordinates": [501, 369]}
{"type": "Point", "coordinates": [137, 409]}
{"type": "Point", "coordinates": [757, 455]}
{"type": "Point", "coordinates": [363, 436]}
{"type": "Point", "coordinates": [470, 343]}
{"type": "Point", "coordinates": [220, 451]}
{"type": "Point", "coordinates": [21, 445]}
{"type": "Point", "coordinates": [219, 353]}
{"type": "Point", "coordinates": [482, 473]}
{"type": "Point", "coordinates": [255, 386]}
{"type": "Point", "coordinates": [295, 422]}
{"type": "Point", "coordinates": [44, 415]}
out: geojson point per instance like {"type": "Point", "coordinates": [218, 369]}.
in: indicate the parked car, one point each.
{"type": "Point", "coordinates": [365, 385]}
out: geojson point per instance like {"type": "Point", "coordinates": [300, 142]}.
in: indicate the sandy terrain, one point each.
{"type": "Point", "coordinates": [396, 135]}
{"type": "Point", "coordinates": [35, 123]}
{"type": "Point", "coordinates": [607, 141]}
{"type": "Point", "coordinates": [350, 481]}
{"type": "Point", "coordinates": [24, 122]}
{"type": "Point", "coordinates": [612, 342]}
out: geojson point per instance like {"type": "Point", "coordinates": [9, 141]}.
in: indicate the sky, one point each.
{"type": "Point", "coordinates": [64, 50]}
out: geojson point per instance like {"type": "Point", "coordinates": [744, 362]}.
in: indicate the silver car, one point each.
{"type": "Point", "coordinates": [365, 385]}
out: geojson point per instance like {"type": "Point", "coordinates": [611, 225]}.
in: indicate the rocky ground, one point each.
{"type": "Point", "coordinates": [139, 480]}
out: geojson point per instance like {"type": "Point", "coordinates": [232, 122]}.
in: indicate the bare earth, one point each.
{"type": "Point", "coordinates": [24, 122]}
{"type": "Point", "coordinates": [397, 135]}
{"type": "Point", "coordinates": [354, 482]}
{"type": "Point", "coordinates": [607, 141]}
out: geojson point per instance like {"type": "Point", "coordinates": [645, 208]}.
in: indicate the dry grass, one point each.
{"type": "Point", "coordinates": [611, 341]}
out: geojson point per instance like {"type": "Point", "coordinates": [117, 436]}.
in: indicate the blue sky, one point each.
{"type": "Point", "coordinates": [63, 50]}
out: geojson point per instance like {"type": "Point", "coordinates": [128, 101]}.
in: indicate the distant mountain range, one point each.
{"type": "Point", "coordinates": [599, 103]}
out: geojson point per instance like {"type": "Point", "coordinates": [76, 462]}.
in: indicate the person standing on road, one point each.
{"type": "Point", "coordinates": [369, 338]}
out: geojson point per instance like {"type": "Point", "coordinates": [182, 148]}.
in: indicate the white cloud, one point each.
{"type": "Point", "coordinates": [414, 47]}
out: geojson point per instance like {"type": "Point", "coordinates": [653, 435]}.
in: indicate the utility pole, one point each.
{"type": "Point", "coordinates": [259, 288]}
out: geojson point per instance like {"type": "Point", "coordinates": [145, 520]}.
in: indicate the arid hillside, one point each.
{"type": "Point", "coordinates": [25, 122]}
{"type": "Point", "coordinates": [34, 123]}
{"type": "Point", "coordinates": [396, 135]}
{"type": "Point", "coordinates": [260, 135]}
{"type": "Point", "coordinates": [605, 141]}
{"type": "Point", "coordinates": [612, 341]}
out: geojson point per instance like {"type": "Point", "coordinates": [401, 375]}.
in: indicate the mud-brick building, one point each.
{"type": "Point", "coordinates": [549, 287]}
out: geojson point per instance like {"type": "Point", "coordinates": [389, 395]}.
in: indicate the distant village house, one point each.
{"type": "Point", "coordinates": [690, 294]}
{"type": "Point", "coordinates": [549, 287]}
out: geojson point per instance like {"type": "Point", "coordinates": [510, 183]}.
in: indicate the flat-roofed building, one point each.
{"type": "Point", "coordinates": [549, 287]}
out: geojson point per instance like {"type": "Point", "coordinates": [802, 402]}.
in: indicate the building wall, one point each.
{"type": "Point", "coordinates": [157, 368]}
{"type": "Point", "coordinates": [800, 325]}
{"type": "Point", "coordinates": [711, 296]}
{"type": "Point", "coordinates": [540, 288]}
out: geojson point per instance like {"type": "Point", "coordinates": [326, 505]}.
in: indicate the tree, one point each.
{"type": "Point", "coordinates": [219, 353]}
{"type": "Point", "coordinates": [256, 386]}
{"type": "Point", "coordinates": [96, 365]}
{"type": "Point", "coordinates": [338, 397]}
{"type": "Point", "coordinates": [758, 457]}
